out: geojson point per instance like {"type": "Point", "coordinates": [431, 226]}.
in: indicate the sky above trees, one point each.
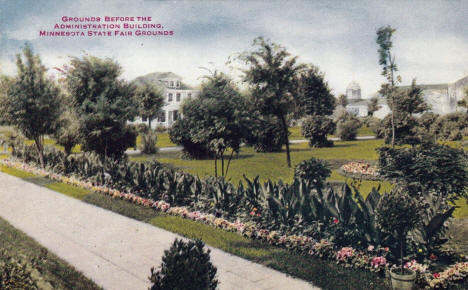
{"type": "Point", "coordinates": [431, 42]}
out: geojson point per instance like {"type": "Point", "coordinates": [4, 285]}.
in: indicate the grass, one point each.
{"type": "Point", "coordinates": [164, 140]}
{"type": "Point", "coordinates": [15, 172]}
{"type": "Point", "coordinates": [296, 133]}
{"type": "Point", "coordinates": [69, 190]}
{"type": "Point", "coordinates": [52, 272]}
{"type": "Point", "coordinates": [273, 165]}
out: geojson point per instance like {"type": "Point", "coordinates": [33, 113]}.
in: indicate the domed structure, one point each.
{"type": "Point", "coordinates": [353, 91]}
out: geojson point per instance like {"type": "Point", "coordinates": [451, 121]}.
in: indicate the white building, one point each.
{"type": "Point", "coordinates": [175, 92]}
{"type": "Point", "coordinates": [356, 105]}
{"type": "Point", "coordinates": [441, 98]}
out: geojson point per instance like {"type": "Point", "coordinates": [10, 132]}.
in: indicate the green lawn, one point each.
{"type": "Point", "coordinates": [296, 133]}
{"type": "Point", "coordinates": [50, 272]}
{"type": "Point", "coordinates": [273, 165]}
{"type": "Point", "coordinates": [68, 189]}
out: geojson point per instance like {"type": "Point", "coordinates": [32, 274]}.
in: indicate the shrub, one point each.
{"type": "Point", "coordinates": [186, 265]}
{"type": "Point", "coordinates": [347, 126]}
{"type": "Point", "coordinates": [451, 126]}
{"type": "Point", "coordinates": [405, 129]}
{"type": "Point", "coordinates": [179, 134]}
{"type": "Point", "coordinates": [313, 170]}
{"type": "Point", "coordinates": [316, 128]}
{"type": "Point", "coordinates": [266, 134]}
{"type": "Point", "coordinates": [148, 142]}
{"type": "Point", "coordinates": [160, 129]}
{"type": "Point", "coordinates": [427, 168]}
{"type": "Point", "coordinates": [376, 126]}
{"type": "Point", "coordinates": [15, 274]}
{"type": "Point", "coordinates": [397, 213]}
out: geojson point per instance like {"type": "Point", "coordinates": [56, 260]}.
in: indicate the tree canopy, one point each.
{"type": "Point", "coordinates": [273, 76]}
{"type": "Point", "coordinates": [32, 103]}
{"type": "Point", "coordinates": [150, 100]}
{"type": "Point", "coordinates": [104, 103]}
{"type": "Point", "coordinates": [315, 94]}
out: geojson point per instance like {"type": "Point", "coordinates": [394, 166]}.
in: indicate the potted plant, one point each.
{"type": "Point", "coordinates": [397, 214]}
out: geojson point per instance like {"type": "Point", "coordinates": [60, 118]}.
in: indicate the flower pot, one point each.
{"type": "Point", "coordinates": [403, 281]}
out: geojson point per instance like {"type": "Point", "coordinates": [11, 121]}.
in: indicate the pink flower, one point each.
{"type": "Point", "coordinates": [378, 261]}
{"type": "Point", "coordinates": [386, 249]}
{"type": "Point", "coordinates": [344, 253]}
{"type": "Point", "coordinates": [252, 213]}
{"type": "Point", "coordinates": [433, 257]}
{"type": "Point", "coordinates": [370, 248]}
{"type": "Point", "coordinates": [436, 275]}
{"type": "Point", "coordinates": [336, 221]}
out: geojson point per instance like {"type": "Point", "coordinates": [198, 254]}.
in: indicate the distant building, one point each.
{"type": "Point", "coordinates": [442, 98]}
{"type": "Point", "coordinates": [356, 105]}
{"type": "Point", "coordinates": [353, 91]}
{"type": "Point", "coordinates": [175, 92]}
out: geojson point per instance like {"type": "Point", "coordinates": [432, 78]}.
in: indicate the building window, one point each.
{"type": "Point", "coordinates": [175, 115]}
{"type": "Point", "coordinates": [172, 84]}
{"type": "Point", "coordinates": [169, 97]}
{"type": "Point", "coordinates": [162, 116]}
{"type": "Point", "coordinates": [144, 119]}
{"type": "Point", "coordinates": [178, 97]}
{"type": "Point", "coordinates": [178, 84]}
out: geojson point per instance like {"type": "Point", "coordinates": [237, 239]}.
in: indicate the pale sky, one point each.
{"type": "Point", "coordinates": [430, 44]}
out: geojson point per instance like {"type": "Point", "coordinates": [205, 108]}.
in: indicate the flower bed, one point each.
{"type": "Point", "coordinates": [372, 259]}
{"type": "Point", "coordinates": [361, 170]}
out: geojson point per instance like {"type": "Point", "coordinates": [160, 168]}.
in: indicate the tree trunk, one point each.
{"type": "Point", "coordinates": [229, 162]}
{"type": "Point", "coordinates": [402, 240]}
{"type": "Point", "coordinates": [149, 123]}
{"type": "Point", "coordinates": [222, 164]}
{"type": "Point", "coordinates": [216, 165]}
{"type": "Point", "coordinates": [40, 150]}
{"type": "Point", "coordinates": [285, 131]}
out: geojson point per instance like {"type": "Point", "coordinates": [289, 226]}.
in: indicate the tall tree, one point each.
{"type": "Point", "coordinates": [273, 76]}
{"type": "Point", "coordinates": [373, 106]}
{"type": "Point", "coordinates": [387, 61]}
{"type": "Point", "coordinates": [104, 103]}
{"type": "Point", "coordinates": [33, 101]}
{"type": "Point", "coordinates": [150, 101]}
{"type": "Point", "coordinates": [314, 93]}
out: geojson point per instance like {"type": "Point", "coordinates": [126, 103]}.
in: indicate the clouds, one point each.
{"type": "Point", "coordinates": [430, 43]}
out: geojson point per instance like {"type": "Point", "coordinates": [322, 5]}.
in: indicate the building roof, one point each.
{"type": "Point", "coordinates": [353, 86]}
{"type": "Point", "coordinates": [156, 77]}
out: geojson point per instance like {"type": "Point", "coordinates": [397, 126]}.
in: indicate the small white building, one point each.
{"type": "Point", "coordinates": [175, 92]}
{"type": "Point", "coordinates": [356, 105]}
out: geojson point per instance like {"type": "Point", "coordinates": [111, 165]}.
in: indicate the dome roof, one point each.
{"type": "Point", "coordinates": [353, 86]}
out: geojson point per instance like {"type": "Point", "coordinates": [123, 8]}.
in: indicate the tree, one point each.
{"type": "Point", "coordinates": [347, 126]}
{"type": "Point", "coordinates": [314, 93]}
{"type": "Point", "coordinates": [387, 61]}
{"type": "Point", "coordinates": [342, 100]}
{"type": "Point", "coordinates": [150, 101]}
{"type": "Point", "coordinates": [103, 103]}
{"type": "Point", "coordinates": [218, 119]}
{"type": "Point", "coordinates": [33, 101]}
{"type": "Point", "coordinates": [373, 106]}
{"type": "Point", "coordinates": [411, 101]}
{"type": "Point", "coordinates": [273, 76]}
{"type": "Point", "coordinates": [316, 128]}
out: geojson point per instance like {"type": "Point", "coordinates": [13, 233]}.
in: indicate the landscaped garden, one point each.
{"type": "Point", "coordinates": [340, 214]}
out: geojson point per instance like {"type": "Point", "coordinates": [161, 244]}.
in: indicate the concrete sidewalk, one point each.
{"type": "Point", "coordinates": [115, 251]}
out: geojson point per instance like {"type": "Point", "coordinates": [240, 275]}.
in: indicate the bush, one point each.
{"type": "Point", "coordinates": [313, 170]}
{"type": "Point", "coordinates": [267, 135]}
{"type": "Point", "coordinates": [179, 134]}
{"type": "Point", "coordinates": [316, 128]}
{"type": "Point", "coordinates": [186, 265]}
{"type": "Point", "coordinates": [405, 129]}
{"type": "Point", "coordinates": [15, 274]}
{"type": "Point", "coordinates": [376, 126]}
{"type": "Point", "coordinates": [451, 126]}
{"type": "Point", "coordinates": [148, 142]}
{"type": "Point", "coordinates": [427, 168]}
{"type": "Point", "coordinates": [347, 126]}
